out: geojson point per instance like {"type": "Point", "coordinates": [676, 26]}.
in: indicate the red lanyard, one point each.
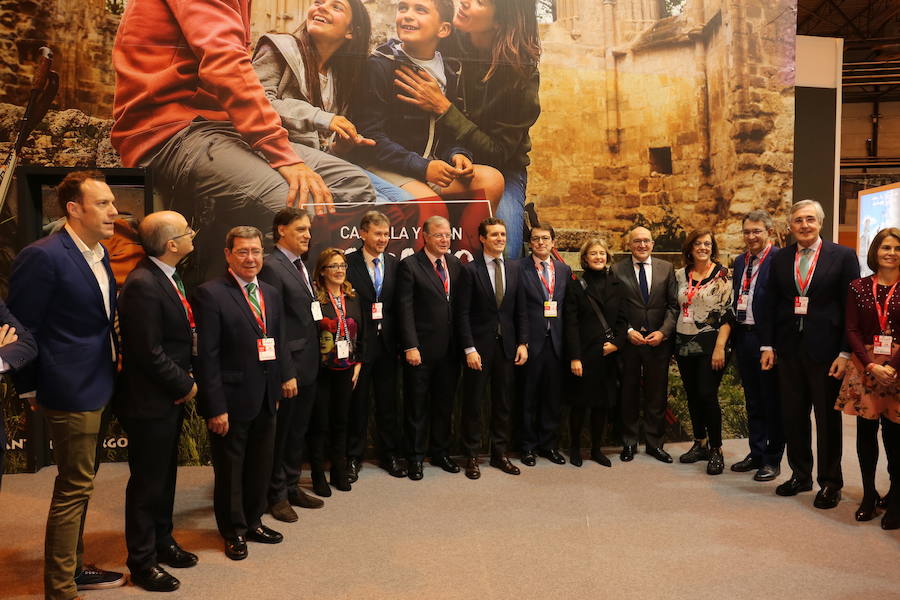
{"type": "Point", "coordinates": [548, 285]}
{"type": "Point", "coordinates": [804, 284]}
{"type": "Point", "coordinates": [187, 308]}
{"type": "Point", "coordinates": [882, 312]}
{"type": "Point", "coordinates": [693, 289]}
{"type": "Point", "coordinates": [260, 314]}
{"type": "Point", "coordinates": [748, 281]}
{"type": "Point", "coordinates": [339, 311]}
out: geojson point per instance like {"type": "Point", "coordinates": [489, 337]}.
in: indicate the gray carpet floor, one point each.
{"type": "Point", "coordinates": [641, 530]}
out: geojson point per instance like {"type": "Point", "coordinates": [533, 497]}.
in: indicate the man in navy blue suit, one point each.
{"type": "Point", "coordinates": [751, 274]}
{"type": "Point", "coordinates": [17, 349]}
{"type": "Point", "coordinates": [63, 291]}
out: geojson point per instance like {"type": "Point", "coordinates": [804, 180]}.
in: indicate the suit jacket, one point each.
{"type": "Point", "coordinates": [758, 307]}
{"type": "Point", "coordinates": [300, 330]}
{"type": "Point", "coordinates": [55, 295]}
{"type": "Point", "coordinates": [156, 345]}
{"type": "Point", "coordinates": [230, 376]}
{"type": "Point", "coordinates": [426, 313]}
{"type": "Point", "coordinates": [24, 350]}
{"type": "Point", "coordinates": [823, 336]}
{"type": "Point", "coordinates": [358, 275]}
{"type": "Point", "coordinates": [661, 312]}
{"type": "Point", "coordinates": [479, 314]}
{"type": "Point", "coordinates": [534, 305]}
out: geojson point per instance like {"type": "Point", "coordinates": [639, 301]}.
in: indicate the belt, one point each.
{"type": "Point", "coordinates": [746, 327]}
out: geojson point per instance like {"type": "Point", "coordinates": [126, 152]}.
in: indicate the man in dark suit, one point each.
{"type": "Point", "coordinates": [428, 286]}
{"type": "Point", "coordinates": [285, 271]}
{"type": "Point", "coordinates": [17, 349]}
{"type": "Point", "coordinates": [806, 297]}
{"type": "Point", "coordinates": [651, 306]}
{"type": "Point", "coordinates": [373, 274]}
{"type": "Point", "coordinates": [158, 336]}
{"type": "Point", "coordinates": [544, 280]}
{"type": "Point", "coordinates": [493, 328]}
{"type": "Point", "coordinates": [243, 368]}
{"type": "Point", "coordinates": [64, 292]}
{"type": "Point", "coordinates": [751, 275]}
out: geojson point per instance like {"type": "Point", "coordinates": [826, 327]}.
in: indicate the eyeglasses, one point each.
{"type": "Point", "coordinates": [641, 242]}
{"type": "Point", "coordinates": [541, 238]}
{"type": "Point", "coordinates": [749, 232]}
{"type": "Point", "coordinates": [244, 253]}
{"type": "Point", "coordinates": [341, 267]}
{"type": "Point", "coordinates": [700, 244]}
{"type": "Point", "coordinates": [189, 232]}
{"type": "Point", "coordinates": [441, 236]}
{"type": "Point", "coordinates": [810, 220]}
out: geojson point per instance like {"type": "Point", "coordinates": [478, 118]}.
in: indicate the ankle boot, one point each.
{"type": "Point", "coordinates": [699, 451]}
{"type": "Point", "coordinates": [716, 461]}
{"type": "Point", "coordinates": [320, 484]}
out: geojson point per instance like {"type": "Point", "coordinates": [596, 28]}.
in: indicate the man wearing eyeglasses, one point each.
{"type": "Point", "coordinates": [428, 285]}
{"type": "Point", "coordinates": [651, 306]}
{"type": "Point", "coordinates": [158, 345]}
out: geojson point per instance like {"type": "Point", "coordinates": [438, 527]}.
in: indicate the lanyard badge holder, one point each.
{"type": "Point", "coordinates": [884, 342]}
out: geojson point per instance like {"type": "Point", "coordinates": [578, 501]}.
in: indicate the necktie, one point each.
{"type": "Point", "coordinates": [442, 273]}
{"type": "Point", "coordinates": [251, 294]}
{"type": "Point", "coordinates": [642, 281]}
{"type": "Point", "coordinates": [302, 268]}
{"type": "Point", "coordinates": [498, 281]}
{"type": "Point", "coordinates": [378, 277]}
{"type": "Point", "coordinates": [805, 256]}
{"type": "Point", "coordinates": [545, 273]}
{"type": "Point", "coordinates": [179, 283]}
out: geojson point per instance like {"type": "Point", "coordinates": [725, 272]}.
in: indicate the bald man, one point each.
{"type": "Point", "coordinates": [158, 343]}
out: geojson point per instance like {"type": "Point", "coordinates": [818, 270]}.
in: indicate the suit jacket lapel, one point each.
{"type": "Point", "coordinates": [483, 276]}
{"type": "Point", "coordinates": [238, 296]}
{"type": "Point", "coordinates": [357, 262]}
{"type": "Point", "coordinates": [168, 288]}
{"type": "Point", "coordinates": [91, 280]}
{"type": "Point", "coordinates": [631, 279]}
{"type": "Point", "coordinates": [292, 270]}
{"type": "Point", "coordinates": [658, 281]}
{"type": "Point", "coordinates": [431, 273]}
{"type": "Point", "coordinates": [823, 266]}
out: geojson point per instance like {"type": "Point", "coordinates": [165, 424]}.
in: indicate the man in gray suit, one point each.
{"type": "Point", "coordinates": [651, 307]}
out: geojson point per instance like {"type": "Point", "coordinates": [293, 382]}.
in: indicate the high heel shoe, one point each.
{"type": "Point", "coordinates": [320, 484]}
{"type": "Point", "coordinates": [575, 457]}
{"type": "Point", "coordinates": [867, 508]}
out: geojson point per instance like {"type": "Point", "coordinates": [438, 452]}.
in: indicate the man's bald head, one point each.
{"type": "Point", "coordinates": [158, 229]}
{"type": "Point", "coordinates": [640, 242]}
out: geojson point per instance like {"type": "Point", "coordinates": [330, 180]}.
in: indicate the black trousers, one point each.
{"type": "Point", "coordinates": [379, 378]}
{"type": "Point", "coordinates": [805, 385]}
{"type": "Point", "coordinates": [599, 417]}
{"type": "Point", "coordinates": [498, 369]}
{"type": "Point", "coordinates": [292, 425]}
{"type": "Point", "coordinates": [429, 392]}
{"type": "Point", "coordinates": [645, 369]}
{"type": "Point", "coordinates": [242, 463]}
{"type": "Point", "coordinates": [701, 386]}
{"type": "Point", "coordinates": [762, 398]}
{"type": "Point", "coordinates": [150, 493]}
{"type": "Point", "coordinates": [867, 451]}
{"type": "Point", "coordinates": [328, 434]}
{"type": "Point", "coordinates": [541, 390]}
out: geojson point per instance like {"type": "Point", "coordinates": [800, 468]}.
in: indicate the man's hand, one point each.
{"type": "Point", "coordinates": [473, 361]}
{"type": "Point", "coordinates": [521, 355]}
{"type": "Point", "coordinates": [655, 339]}
{"type": "Point", "coordinates": [189, 396]}
{"type": "Point", "coordinates": [413, 358]}
{"type": "Point", "coordinates": [609, 348]}
{"type": "Point", "coordinates": [440, 173]}
{"type": "Point", "coordinates": [343, 127]}
{"type": "Point", "coordinates": [838, 368]}
{"type": "Point", "coordinates": [635, 337]}
{"type": "Point", "coordinates": [219, 424]}
{"type": "Point", "coordinates": [421, 90]}
{"type": "Point", "coordinates": [289, 388]}
{"type": "Point", "coordinates": [7, 335]}
{"type": "Point", "coordinates": [463, 165]}
{"type": "Point", "coordinates": [303, 181]}
{"type": "Point", "coordinates": [576, 367]}
{"type": "Point", "coordinates": [767, 360]}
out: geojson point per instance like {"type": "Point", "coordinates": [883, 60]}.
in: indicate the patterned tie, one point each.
{"type": "Point", "coordinates": [378, 277]}
{"type": "Point", "coordinates": [498, 281]}
{"type": "Point", "coordinates": [545, 273]}
{"type": "Point", "coordinates": [442, 273]}
{"type": "Point", "coordinates": [642, 280]}
{"type": "Point", "coordinates": [251, 294]}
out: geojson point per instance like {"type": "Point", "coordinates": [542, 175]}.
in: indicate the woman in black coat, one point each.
{"type": "Point", "coordinates": [592, 345]}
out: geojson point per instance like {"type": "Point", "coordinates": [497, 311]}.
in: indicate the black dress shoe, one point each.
{"type": "Point", "coordinates": [828, 497]}
{"type": "Point", "coordinates": [415, 470]}
{"type": "Point", "coordinates": [697, 453]}
{"type": "Point", "coordinates": [575, 457]}
{"type": "Point", "coordinates": [394, 466]}
{"type": "Point", "coordinates": [659, 454]}
{"type": "Point", "coordinates": [340, 479]}
{"type": "Point", "coordinates": [716, 463]}
{"type": "Point", "coordinates": [236, 548]}
{"type": "Point", "coordinates": [503, 463]}
{"type": "Point", "coordinates": [553, 456]}
{"type": "Point", "coordinates": [767, 473]}
{"type": "Point", "coordinates": [320, 484]}
{"type": "Point", "coordinates": [155, 579]}
{"type": "Point", "coordinates": [283, 512]}
{"type": "Point", "coordinates": [528, 458]}
{"type": "Point", "coordinates": [299, 497]}
{"type": "Point", "coordinates": [472, 470]}
{"type": "Point", "coordinates": [891, 519]}
{"type": "Point", "coordinates": [598, 457]}
{"type": "Point", "coordinates": [627, 453]}
{"type": "Point", "coordinates": [264, 535]}
{"type": "Point", "coordinates": [175, 556]}
{"type": "Point", "coordinates": [747, 464]}
{"type": "Point", "coordinates": [867, 508]}
{"type": "Point", "coordinates": [793, 486]}
{"type": "Point", "coordinates": [446, 463]}
{"type": "Point", "coordinates": [353, 467]}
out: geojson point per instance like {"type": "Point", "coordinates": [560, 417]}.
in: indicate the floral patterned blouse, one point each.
{"type": "Point", "coordinates": [710, 308]}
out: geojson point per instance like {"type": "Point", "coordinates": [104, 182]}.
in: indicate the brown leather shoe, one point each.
{"type": "Point", "coordinates": [299, 497]}
{"type": "Point", "coordinates": [472, 470]}
{"type": "Point", "coordinates": [282, 511]}
{"type": "Point", "coordinates": [502, 463]}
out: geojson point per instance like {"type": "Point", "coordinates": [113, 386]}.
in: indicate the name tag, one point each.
{"type": "Point", "coordinates": [377, 311]}
{"type": "Point", "coordinates": [743, 302]}
{"type": "Point", "coordinates": [801, 305]}
{"type": "Point", "coordinates": [316, 309]}
{"type": "Point", "coordinates": [883, 344]}
{"type": "Point", "coordinates": [266, 348]}
{"type": "Point", "coordinates": [194, 349]}
{"type": "Point", "coordinates": [687, 314]}
{"type": "Point", "coordinates": [549, 308]}
{"type": "Point", "coordinates": [343, 349]}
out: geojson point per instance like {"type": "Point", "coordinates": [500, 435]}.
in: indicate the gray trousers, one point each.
{"type": "Point", "coordinates": [208, 173]}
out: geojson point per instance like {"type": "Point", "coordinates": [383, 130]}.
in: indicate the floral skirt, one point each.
{"type": "Point", "coordinates": [862, 396]}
